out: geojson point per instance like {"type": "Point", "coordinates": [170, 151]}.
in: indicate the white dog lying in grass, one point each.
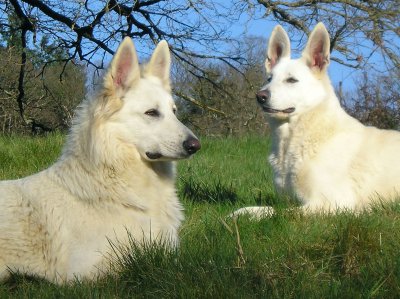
{"type": "Point", "coordinates": [326, 158]}
{"type": "Point", "coordinates": [114, 182]}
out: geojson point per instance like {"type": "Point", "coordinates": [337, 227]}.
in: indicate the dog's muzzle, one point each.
{"type": "Point", "coordinates": [190, 146]}
{"type": "Point", "coordinates": [263, 96]}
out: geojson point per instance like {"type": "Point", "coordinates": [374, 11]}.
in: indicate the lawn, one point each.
{"type": "Point", "coordinates": [289, 255]}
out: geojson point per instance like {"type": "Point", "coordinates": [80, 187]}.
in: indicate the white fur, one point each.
{"type": "Point", "coordinates": [59, 223]}
{"type": "Point", "coordinates": [326, 158]}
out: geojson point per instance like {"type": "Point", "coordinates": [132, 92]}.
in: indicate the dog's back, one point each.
{"type": "Point", "coordinates": [336, 162]}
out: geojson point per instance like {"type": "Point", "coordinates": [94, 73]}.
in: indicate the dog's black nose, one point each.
{"type": "Point", "coordinates": [191, 145]}
{"type": "Point", "coordinates": [263, 96]}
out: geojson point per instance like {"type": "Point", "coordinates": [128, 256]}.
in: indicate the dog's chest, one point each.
{"type": "Point", "coordinates": [285, 162]}
{"type": "Point", "coordinates": [287, 158]}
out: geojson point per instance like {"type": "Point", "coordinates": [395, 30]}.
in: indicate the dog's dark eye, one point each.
{"type": "Point", "coordinates": [174, 110]}
{"type": "Point", "coordinates": [269, 79]}
{"type": "Point", "coordinates": [292, 80]}
{"type": "Point", "coordinates": [152, 112]}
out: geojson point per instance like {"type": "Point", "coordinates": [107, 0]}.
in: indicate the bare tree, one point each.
{"type": "Point", "coordinates": [199, 33]}
{"type": "Point", "coordinates": [376, 101]}
{"type": "Point", "coordinates": [48, 102]}
{"type": "Point", "coordinates": [360, 29]}
{"type": "Point", "coordinates": [230, 94]}
{"type": "Point", "coordinates": [89, 31]}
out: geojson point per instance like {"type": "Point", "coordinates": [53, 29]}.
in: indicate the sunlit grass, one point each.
{"type": "Point", "coordinates": [289, 255]}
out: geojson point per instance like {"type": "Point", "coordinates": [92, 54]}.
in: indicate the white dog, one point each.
{"type": "Point", "coordinates": [326, 158]}
{"type": "Point", "coordinates": [114, 182]}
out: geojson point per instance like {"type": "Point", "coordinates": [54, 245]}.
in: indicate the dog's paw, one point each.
{"type": "Point", "coordinates": [254, 213]}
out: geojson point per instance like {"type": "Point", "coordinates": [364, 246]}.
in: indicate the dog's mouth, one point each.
{"type": "Point", "coordinates": [161, 157]}
{"type": "Point", "coordinates": [273, 111]}
{"type": "Point", "coordinates": [167, 153]}
{"type": "Point", "coordinates": [153, 156]}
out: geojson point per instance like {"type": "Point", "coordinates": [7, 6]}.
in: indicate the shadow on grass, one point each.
{"type": "Point", "coordinates": [203, 192]}
{"type": "Point", "coordinates": [18, 280]}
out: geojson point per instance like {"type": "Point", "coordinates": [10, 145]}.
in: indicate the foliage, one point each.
{"type": "Point", "coordinates": [376, 101]}
{"type": "Point", "coordinates": [230, 93]}
{"type": "Point", "coordinates": [51, 94]}
{"type": "Point", "coordinates": [287, 256]}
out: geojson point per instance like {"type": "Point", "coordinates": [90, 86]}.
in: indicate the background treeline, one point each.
{"type": "Point", "coordinates": [51, 93]}
{"type": "Point", "coordinates": [222, 106]}
{"type": "Point", "coordinates": [51, 52]}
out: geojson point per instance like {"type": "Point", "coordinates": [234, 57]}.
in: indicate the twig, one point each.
{"type": "Point", "coordinates": [197, 103]}
{"type": "Point", "coordinates": [226, 225]}
{"type": "Point", "coordinates": [241, 259]}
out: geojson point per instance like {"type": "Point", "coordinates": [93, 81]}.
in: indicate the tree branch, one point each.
{"type": "Point", "coordinates": [198, 103]}
{"type": "Point", "coordinates": [86, 31]}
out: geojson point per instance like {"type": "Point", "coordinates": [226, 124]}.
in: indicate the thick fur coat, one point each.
{"type": "Point", "coordinates": [320, 154]}
{"type": "Point", "coordinates": [114, 181]}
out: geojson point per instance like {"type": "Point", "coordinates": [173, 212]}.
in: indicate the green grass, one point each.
{"type": "Point", "coordinates": [22, 155]}
{"type": "Point", "coordinates": [287, 256]}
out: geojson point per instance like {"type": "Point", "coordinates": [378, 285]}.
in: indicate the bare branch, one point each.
{"type": "Point", "coordinates": [362, 21]}
{"type": "Point", "coordinates": [198, 103]}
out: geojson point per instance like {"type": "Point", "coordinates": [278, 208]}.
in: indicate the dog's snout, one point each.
{"type": "Point", "coordinates": [263, 96]}
{"type": "Point", "coordinates": [191, 145]}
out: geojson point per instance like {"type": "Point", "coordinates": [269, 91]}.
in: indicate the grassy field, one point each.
{"type": "Point", "coordinates": [287, 256]}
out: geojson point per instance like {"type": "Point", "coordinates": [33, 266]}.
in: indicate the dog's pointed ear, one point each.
{"type": "Point", "coordinates": [124, 69]}
{"type": "Point", "coordinates": [278, 47]}
{"type": "Point", "coordinates": [160, 64]}
{"type": "Point", "coordinates": [317, 51]}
